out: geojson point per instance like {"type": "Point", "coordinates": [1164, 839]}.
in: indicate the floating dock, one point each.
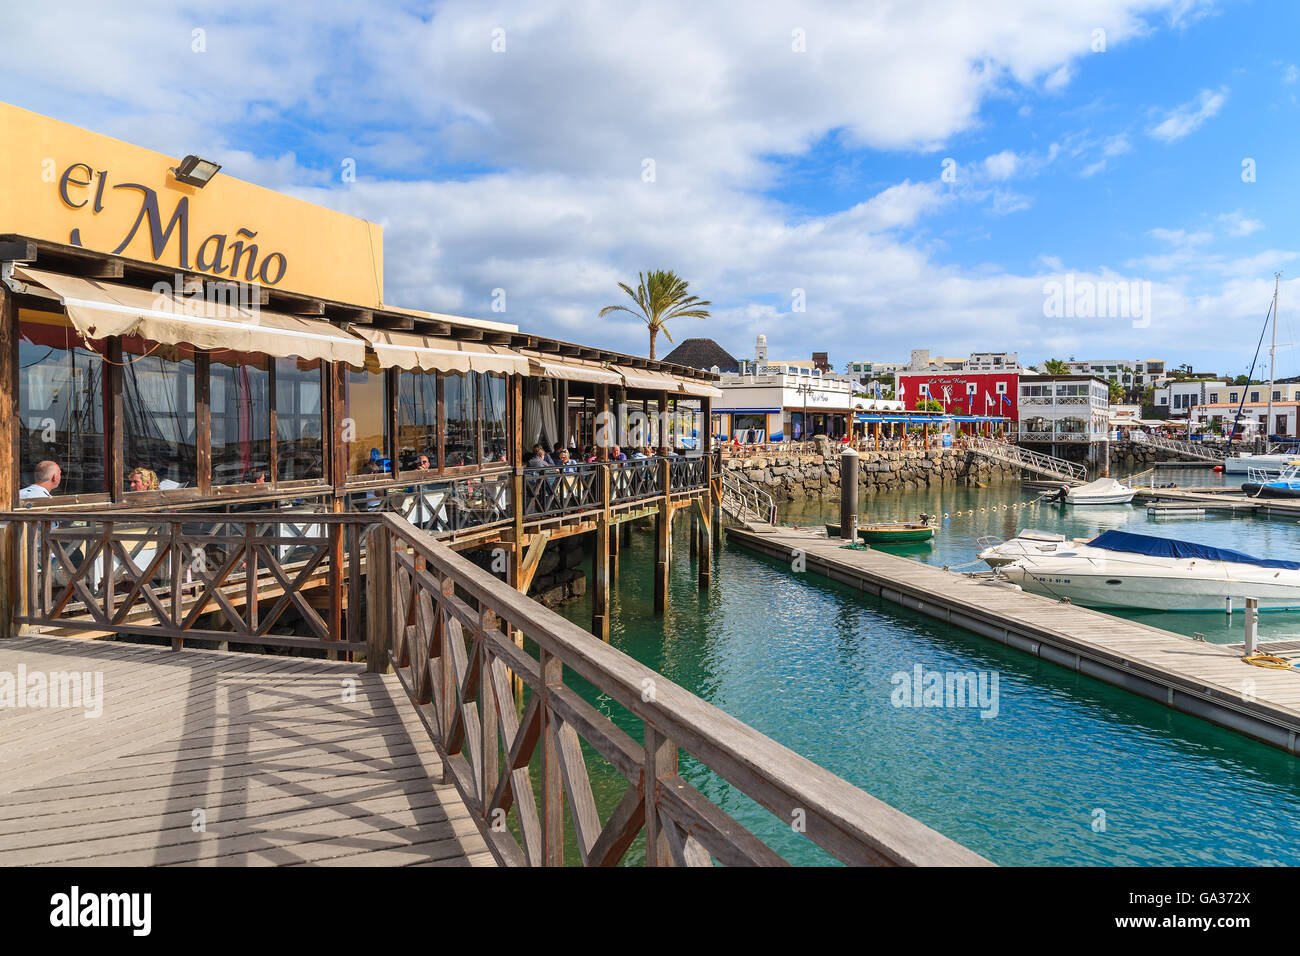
{"type": "Point", "coordinates": [1207, 680]}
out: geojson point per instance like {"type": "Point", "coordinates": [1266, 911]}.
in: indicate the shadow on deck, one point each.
{"type": "Point", "coordinates": [206, 757]}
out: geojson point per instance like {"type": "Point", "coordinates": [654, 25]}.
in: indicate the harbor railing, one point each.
{"type": "Point", "coordinates": [457, 636]}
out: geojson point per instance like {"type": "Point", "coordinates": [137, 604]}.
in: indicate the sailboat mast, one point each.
{"type": "Point", "coordinates": [1272, 358]}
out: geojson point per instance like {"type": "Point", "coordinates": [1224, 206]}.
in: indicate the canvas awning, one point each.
{"type": "Point", "coordinates": [573, 370]}
{"type": "Point", "coordinates": [411, 350]}
{"type": "Point", "coordinates": [656, 381]}
{"type": "Point", "coordinates": [97, 309]}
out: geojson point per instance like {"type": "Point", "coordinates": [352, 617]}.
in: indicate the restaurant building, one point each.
{"type": "Point", "coordinates": [173, 338]}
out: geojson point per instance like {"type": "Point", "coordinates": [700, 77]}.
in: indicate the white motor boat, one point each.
{"type": "Point", "coordinates": [1103, 491]}
{"type": "Point", "coordinates": [1245, 462]}
{"type": "Point", "coordinates": [1028, 543]}
{"type": "Point", "coordinates": [1121, 569]}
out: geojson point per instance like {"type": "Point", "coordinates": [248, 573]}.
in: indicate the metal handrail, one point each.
{"type": "Point", "coordinates": [1027, 459]}
{"type": "Point", "coordinates": [744, 500]}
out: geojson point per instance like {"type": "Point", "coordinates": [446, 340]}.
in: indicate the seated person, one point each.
{"type": "Point", "coordinates": [142, 479]}
{"type": "Point", "coordinates": [539, 458]}
{"type": "Point", "coordinates": [616, 454]}
{"type": "Point", "coordinates": [47, 475]}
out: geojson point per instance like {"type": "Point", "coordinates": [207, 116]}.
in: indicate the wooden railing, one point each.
{"type": "Point", "coordinates": [456, 636]}
{"type": "Point", "coordinates": [158, 575]}
{"type": "Point", "coordinates": [562, 490]}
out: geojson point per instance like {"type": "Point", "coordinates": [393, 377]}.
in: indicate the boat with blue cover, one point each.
{"type": "Point", "coordinates": [1123, 569]}
{"type": "Point", "coordinates": [1264, 484]}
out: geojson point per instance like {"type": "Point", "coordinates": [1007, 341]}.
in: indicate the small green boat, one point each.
{"type": "Point", "coordinates": [895, 533]}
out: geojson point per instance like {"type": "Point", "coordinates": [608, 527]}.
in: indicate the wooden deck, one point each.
{"type": "Point", "coordinates": [1207, 680]}
{"type": "Point", "coordinates": [206, 757]}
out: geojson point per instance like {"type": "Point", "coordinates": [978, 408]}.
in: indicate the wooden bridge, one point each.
{"type": "Point", "coordinates": [478, 746]}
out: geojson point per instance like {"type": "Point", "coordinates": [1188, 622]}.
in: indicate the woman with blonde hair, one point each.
{"type": "Point", "coordinates": [142, 479]}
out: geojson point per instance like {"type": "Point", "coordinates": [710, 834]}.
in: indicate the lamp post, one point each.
{"type": "Point", "coordinates": [805, 389]}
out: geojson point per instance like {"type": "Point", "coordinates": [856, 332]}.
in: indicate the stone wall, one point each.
{"type": "Point", "coordinates": [1127, 456]}
{"type": "Point", "coordinates": [789, 477]}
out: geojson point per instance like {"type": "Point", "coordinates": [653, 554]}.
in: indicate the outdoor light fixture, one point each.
{"type": "Point", "coordinates": [195, 172]}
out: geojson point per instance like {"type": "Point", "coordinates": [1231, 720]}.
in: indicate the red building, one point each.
{"type": "Point", "coordinates": [963, 393]}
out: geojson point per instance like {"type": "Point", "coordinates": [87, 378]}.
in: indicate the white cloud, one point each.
{"type": "Point", "coordinates": [522, 170]}
{"type": "Point", "coordinates": [1189, 117]}
{"type": "Point", "coordinates": [1001, 166]}
{"type": "Point", "coordinates": [1236, 224]}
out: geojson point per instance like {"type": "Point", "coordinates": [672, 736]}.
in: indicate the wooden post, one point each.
{"type": "Point", "coordinates": [695, 535]}
{"type": "Point", "coordinates": [615, 538]}
{"type": "Point", "coordinates": [9, 462]}
{"type": "Point", "coordinates": [552, 782]}
{"type": "Point", "coordinates": [202, 420]}
{"type": "Point", "coordinates": [706, 543]}
{"type": "Point", "coordinates": [600, 564]}
{"type": "Point", "coordinates": [663, 427]}
{"type": "Point", "coordinates": [379, 599]}
{"type": "Point", "coordinates": [663, 541]}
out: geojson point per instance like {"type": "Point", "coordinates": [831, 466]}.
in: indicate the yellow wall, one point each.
{"type": "Point", "coordinates": [326, 254]}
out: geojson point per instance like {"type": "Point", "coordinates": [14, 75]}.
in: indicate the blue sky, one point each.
{"type": "Point", "coordinates": [795, 147]}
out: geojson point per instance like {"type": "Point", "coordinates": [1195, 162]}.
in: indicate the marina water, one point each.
{"type": "Point", "coordinates": [1069, 771]}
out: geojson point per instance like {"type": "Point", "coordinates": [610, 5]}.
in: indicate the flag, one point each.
{"type": "Point", "coordinates": [1006, 400]}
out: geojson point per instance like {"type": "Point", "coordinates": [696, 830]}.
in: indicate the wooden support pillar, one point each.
{"type": "Point", "coordinates": [600, 564]}
{"type": "Point", "coordinates": [663, 542]}
{"type": "Point", "coordinates": [603, 437]}
{"type": "Point", "coordinates": [615, 537]}
{"type": "Point", "coordinates": [379, 599]}
{"type": "Point", "coordinates": [663, 424]}
{"type": "Point", "coordinates": [706, 542]}
{"type": "Point", "coordinates": [9, 460]}
{"type": "Point", "coordinates": [625, 529]}
{"type": "Point", "coordinates": [695, 534]}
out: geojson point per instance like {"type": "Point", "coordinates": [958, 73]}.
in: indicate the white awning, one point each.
{"type": "Point", "coordinates": [573, 370]}
{"type": "Point", "coordinates": [666, 382]}
{"type": "Point", "coordinates": [411, 350]}
{"type": "Point", "coordinates": [97, 309]}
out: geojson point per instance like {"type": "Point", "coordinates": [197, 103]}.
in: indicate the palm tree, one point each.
{"type": "Point", "coordinates": [660, 296]}
{"type": "Point", "coordinates": [1056, 367]}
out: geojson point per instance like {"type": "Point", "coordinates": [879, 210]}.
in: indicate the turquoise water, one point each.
{"type": "Point", "coordinates": [1004, 508]}
{"type": "Point", "coordinates": [810, 663]}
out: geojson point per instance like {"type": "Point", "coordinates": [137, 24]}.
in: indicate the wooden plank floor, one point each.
{"type": "Point", "coordinates": [207, 757]}
{"type": "Point", "coordinates": [1212, 674]}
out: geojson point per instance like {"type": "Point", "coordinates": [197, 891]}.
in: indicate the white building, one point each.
{"type": "Point", "coordinates": [1056, 409]}
{"type": "Point", "coordinates": [1218, 417]}
{"type": "Point", "coordinates": [784, 401]}
{"type": "Point", "coordinates": [1180, 397]}
{"type": "Point", "coordinates": [992, 362]}
{"type": "Point", "coordinates": [1136, 374]}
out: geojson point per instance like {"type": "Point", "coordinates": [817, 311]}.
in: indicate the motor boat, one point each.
{"type": "Point", "coordinates": [1245, 462]}
{"type": "Point", "coordinates": [1028, 543]}
{"type": "Point", "coordinates": [1122, 569]}
{"type": "Point", "coordinates": [1103, 491]}
{"type": "Point", "coordinates": [1266, 484]}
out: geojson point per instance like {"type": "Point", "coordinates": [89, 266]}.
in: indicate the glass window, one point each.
{"type": "Point", "coordinates": [417, 421]}
{"type": "Point", "coordinates": [299, 454]}
{"type": "Point", "coordinates": [495, 418]}
{"type": "Point", "coordinates": [61, 404]}
{"type": "Point", "coordinates": [239, 395]}
{"type": "Point", "coordinates": [1254, 396]}
{"type": "Point", "coordinates": [460, 405]}
{"type": "Point", "coordinates": [365, 425]}
{"type": "Point", "coordinates": [158, 428]}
